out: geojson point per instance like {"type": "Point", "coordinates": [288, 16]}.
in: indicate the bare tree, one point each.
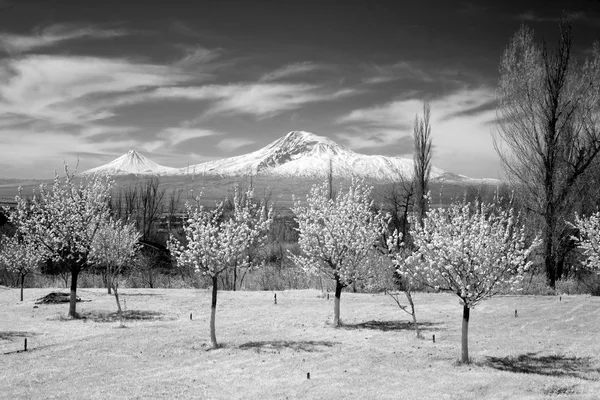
{"type": "Point", "coordinates": [548, 134]}
{"type": "Point", "coordinates": [413, 195]}
{"type": "Point", "coordinates": [152, 204]}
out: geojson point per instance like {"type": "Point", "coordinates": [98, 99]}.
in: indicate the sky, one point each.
{"type": "Point", "coordinates": [186, 82]}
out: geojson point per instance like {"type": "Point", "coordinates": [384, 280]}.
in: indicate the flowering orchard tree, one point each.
{"type": "Point", "coordinates": [65, 220]}
{"type": "Point", "coordinates": [20, 257]}
{"type": "Point", "coordinates": [113, 247]}
{"type": "Point", "coordinates": [338, 234]}
{"type": "Point", "coordinates": [215, 244]}
{"type": "Point", "coordinates": [473, 250]}
{"type": "Point", "coordinates": [589, 240]}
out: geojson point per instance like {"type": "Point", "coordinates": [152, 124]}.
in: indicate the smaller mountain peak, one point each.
{"type": "Point", "coordinates": [300, 135]}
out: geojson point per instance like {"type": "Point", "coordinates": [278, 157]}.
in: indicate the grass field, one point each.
{"type": "Point", "coordinates": [551, 350]}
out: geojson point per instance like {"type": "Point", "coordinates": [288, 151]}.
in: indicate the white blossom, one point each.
{"type": "Point", "coordinates": [337, 234]}
{"type": "Point", "coordinates": [589, 240]}
{"type": "Point", "coordinates": [215, 243]}
{"type": "Point", "coordinates": [473, 250]}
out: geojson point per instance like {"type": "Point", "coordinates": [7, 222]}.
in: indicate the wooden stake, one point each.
{"type": "Point", "coordinates": [516, 315]}
{"type": "Point", "coordinates": [25, 349]}
{"type": "Point", "coordinates": [190, 316]}
{"type": "Point", "coordinates": [308, 375]}
{"type": "Point", "coordinates": [434, 338]}
{"type": "Point", "coordinates": [275, 297]}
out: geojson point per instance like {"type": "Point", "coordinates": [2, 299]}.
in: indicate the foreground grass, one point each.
{"type": "Point", "coordinates": [550, 350]}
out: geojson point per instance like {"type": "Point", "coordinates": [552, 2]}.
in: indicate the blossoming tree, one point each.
{"type": "Point", "coordinates": [65, 220]}
{"type": "Point", "coordinates": [337, 234]}
{"type": "Point", "coordinates": [213, 244]}
{"type": "Point", "coordinates": [473, 250]}
{"type": "Point", "coordinates": [113, 247]}
{"type": "Point", "coordinates": [20, 257]}
{"type": "Point", "coordinates": [589, 240]}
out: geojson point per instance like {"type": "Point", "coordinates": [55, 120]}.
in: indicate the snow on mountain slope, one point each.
{"type": "Point", "coordinates": [297, 154]}
{"type": "Point", "coordinates": [304, 154]}
{"type": "Point", "coordinates": [131, 163]}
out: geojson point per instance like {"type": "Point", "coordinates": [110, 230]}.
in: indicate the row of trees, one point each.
{"type": "Point", "coordinates": [548, 111]}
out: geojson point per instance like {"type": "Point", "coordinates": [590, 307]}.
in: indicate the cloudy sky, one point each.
{"type": "Point", "coordinates": [185, 82]}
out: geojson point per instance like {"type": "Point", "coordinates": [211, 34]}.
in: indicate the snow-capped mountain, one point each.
{"type": "Point", "coordinates": [298, 154]}
{"type": "Point", "coordinates": [303, 154]}
{"type": "Point", "coordinates": [131, 163]}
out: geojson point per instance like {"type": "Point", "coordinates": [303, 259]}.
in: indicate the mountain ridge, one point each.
{"type": "Point", "coordinates": [297, 154]}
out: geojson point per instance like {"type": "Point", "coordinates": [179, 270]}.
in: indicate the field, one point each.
{"type": "Point", "coordinates": [549, 350]}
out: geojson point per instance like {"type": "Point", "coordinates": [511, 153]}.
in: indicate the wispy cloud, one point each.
{"type": "Point", "coordinates": [194, 56]}
{"type": "Point", "coordinates": [263, 99]}
{"type": "Point", "coordinates": [232, 144]}
{"type": "Point", "coordinates": [391, 72]}
{"type": "Point", "coordinates": [65, 90]}
{"type": "Point", "coordinates": [52, 35]}
{"type": "Point", "coordinates": [531, 16]}
{"type": "Point", "coordinates": [290, 70]}
{"type": "Point", "coordinates": [177, 135]}
{"type": "Point", "coordinates": [47, 149]}
{"type": "Point", "coordinates": [460, 122]}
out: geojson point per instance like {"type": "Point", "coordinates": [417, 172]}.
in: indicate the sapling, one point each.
{"type": "Point", "coordinates": [20, 257]}
{"type": "Point", "coordinates": [214, 244]}
{"type": "Point", "coordinates": [472, 250]}
{"type": "Point", "coordinates": [114, 246]}
{"type": "Point", "coordinates": [64, 221]}
{"type": "Point", "coordinates": [336, 235]}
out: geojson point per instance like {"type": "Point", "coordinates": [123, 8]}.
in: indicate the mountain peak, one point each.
{"type": "Point", "coordinates": [304, 154]}
{"type": "Point", "coordinates": [131, 162]}
{"type": "Point", "coordinates": [301, 142]}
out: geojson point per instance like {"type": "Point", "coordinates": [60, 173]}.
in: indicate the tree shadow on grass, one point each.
{"type": "Point", "coordinates": [9, 335]}
{"type": "Point", "coordinates": [303, 345]}
{"type": "Point", "coordinates": [553, 365]}
{"type": "Point", "coordinates": [129, 315]}
{"type": "Point", "coordinates": [139, 294]}
{"type": "Point", "coordinates": [386, 326]}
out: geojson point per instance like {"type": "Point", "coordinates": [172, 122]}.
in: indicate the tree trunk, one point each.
{"type": "Point", "coordinates": [108, 279]}
{"type": "Point", "coordinates": [548, 253]}
{"type": "Point", "coordinates": [73, 300]}
{"type": "Point", "coordinates": [412, 311]}
{"type": "Point", "coordinates": [22, 284]}
{"type": "Point", "coordinates": [234, 277]}
{"type": "Point", "coordinates": [119, 310]}
{"type": "Point", "coordinates": [336, 303]}
{"type": "Point", "coordinates": [465, 335]}
{"type": "Point", "coordinates": [213, 312]}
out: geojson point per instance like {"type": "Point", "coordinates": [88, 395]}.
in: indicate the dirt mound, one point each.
{"type": "Point", "coordinates": [55, 297]}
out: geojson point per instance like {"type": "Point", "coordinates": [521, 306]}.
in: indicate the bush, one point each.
{"type": "Point", "coordinates": [536, 285]}
{"type": "Point", "coordinates": [589, 282]}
